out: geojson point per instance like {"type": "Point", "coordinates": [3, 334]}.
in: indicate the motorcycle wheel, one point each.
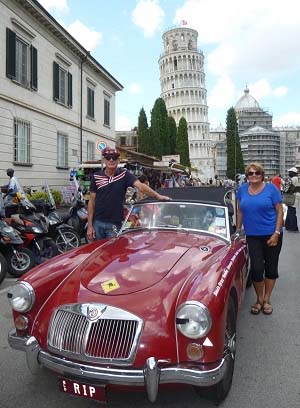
{"type": "Point", "coordinates": [69, 240]}
{"type": "Point", "coordinates": [20, 262]}
{"type": "Point", "coordinates": [48, 251]}
{"type": "Point", "coordinates": [3, 267]}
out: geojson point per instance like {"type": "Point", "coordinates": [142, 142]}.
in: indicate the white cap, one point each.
{"type": "Point", "coordinates": [293, 169]}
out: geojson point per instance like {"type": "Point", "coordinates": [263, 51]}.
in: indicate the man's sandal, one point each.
{"type": "Point", "coordinates": [267, 308]}
{"type": "Point", "coordinates": [256, 309]}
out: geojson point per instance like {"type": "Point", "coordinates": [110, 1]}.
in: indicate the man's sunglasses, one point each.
{"type": "Point", "coordinates": [254, 173]}
{"type": "Point", "coordinates": [111, 157]}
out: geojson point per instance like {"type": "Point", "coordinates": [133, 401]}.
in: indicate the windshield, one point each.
{"type": "Point", "coordinates": [174, 215]}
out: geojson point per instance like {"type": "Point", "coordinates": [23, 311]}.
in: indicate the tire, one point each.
{"type": "Point", "coordinates": [3, 267]}
{"type": "Point", "coordinates": [48, 251]}
{"type": "Point", "coordinates": [21, 262]}
{"type": "Point", "coordinates": [218, 392]}
{"type": "Point", "coordinates": [72, 240]}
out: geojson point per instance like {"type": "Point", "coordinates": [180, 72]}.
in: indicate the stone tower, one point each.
{"type": "Point", "coordinates": [182, 81]}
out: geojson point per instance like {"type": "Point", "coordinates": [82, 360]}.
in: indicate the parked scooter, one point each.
{"type": "Point", "coordinates": [64, 235]}
{"type": "Point", "coordinates": [33, 227]}
{"type": "Point", "coordinates": [78, 214]}
{"type": "Point", "coordinates": [17, 259]}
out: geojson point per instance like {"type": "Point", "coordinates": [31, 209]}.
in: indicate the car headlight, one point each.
{"type": "Point", "coordinates": [193, 319]}
{"type": "Point", "coordinates": [21, 297]}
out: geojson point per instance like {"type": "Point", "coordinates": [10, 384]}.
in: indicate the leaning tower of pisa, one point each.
{"type": "Point", "coordinates": [182, 81]}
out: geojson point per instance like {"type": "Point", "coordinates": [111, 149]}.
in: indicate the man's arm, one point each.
{"type": "Point", "coordinates": [145, 189]}
{"type": "Point", "coordinates": [91, 209]}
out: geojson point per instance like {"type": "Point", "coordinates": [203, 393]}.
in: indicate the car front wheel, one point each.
{"type": "Point", "coordinates": [219, 391]}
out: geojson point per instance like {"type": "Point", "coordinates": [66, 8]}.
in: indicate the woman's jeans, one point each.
{"type": "Point", "coordinates": [106, 229]}
{"type": "Point", "coordinates": [291, 219]}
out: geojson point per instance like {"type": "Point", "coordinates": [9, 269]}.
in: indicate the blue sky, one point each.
{"type": "Point", "coordinates": [254, 43]}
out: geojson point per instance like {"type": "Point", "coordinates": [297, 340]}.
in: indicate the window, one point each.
{"type": "Point", "coordinates": [123, 140]}
{"type": "Point", "coordinates": [62, 150]}
{"type": "Point", "coordinates": [62, 85]}
{"type": "Point", "coordinates": [21, 61]}
{"type": "Point", "coordinates": [90, 150]}
{"type": "Point", "coordinates": [106, 111]}
{"type": "Point", "coordinates": [22, 141]}
{"type": "Point", "coordinates": [90, 102]}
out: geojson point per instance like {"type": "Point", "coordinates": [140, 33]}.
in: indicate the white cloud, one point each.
{"type": "Point", "coordinates": [280, 91]}
{"type": "Point", "coordinates": [223, 94]}
{"type": "Point", "coordinates": [242, 38]}
{"type": "Point", "coordinates": [288, 119]}
{"type": "Point", "coordinates": [86, 36]}
{"type": "Point", "coordinates": [148, 15]}
{"type": "Point", "coordinates": [59, 5]}
{"type": "Point", "coordinates": [135, 88]}
{"type": "Point", "coordinates": [123, 123]}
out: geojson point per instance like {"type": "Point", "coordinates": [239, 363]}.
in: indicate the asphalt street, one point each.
{"type": "Point", "coordinates": [267, 361]}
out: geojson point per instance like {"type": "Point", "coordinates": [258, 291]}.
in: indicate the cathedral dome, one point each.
{"type": "Point", "coordinates": [246, 102]}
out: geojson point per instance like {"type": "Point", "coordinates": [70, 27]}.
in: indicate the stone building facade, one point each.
{"type": "Point", "coordinates": [56, 100]}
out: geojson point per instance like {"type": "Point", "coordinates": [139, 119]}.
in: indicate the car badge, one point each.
{"type": "Point", "coordinates": [204, 249]}
{"type": "Point", "coordinates": [110, 285]}
{"type": "Point", "coordinates": [93, 313]}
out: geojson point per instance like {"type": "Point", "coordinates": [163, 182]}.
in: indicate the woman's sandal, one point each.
{"type": "Point", "coordinates": [256, 308]}
{"type": "Point", "coordinates": [267, 308]}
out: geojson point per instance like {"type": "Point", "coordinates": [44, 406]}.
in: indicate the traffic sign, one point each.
{"type": "Point", "coordinates": [100, 145]}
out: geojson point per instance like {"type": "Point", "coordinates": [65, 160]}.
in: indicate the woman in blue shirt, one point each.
{"type": "Point", "coordinates": [260, 212]}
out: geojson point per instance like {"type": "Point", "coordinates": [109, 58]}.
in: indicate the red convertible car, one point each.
{"type": "Point", "coordinates": [155, 305]}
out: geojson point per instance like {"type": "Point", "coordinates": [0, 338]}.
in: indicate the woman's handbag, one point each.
{"type": "Point", "coordinates": [288, 199]}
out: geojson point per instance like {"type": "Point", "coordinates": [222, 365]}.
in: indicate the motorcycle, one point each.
{"type": "Point", "coordinates": [17, 259]}
{"type": "Point", "coordinates": [33, 228]}
{"type": "Point", "coordinates": [64, 235]}
{"type": "Point", "coordinates": [78, 215]}
{"type": "Point", "coordinates": [3, 267]}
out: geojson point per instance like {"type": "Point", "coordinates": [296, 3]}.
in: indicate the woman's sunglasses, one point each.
{"type": "Point", "coordinates": [111, 157]}
{"type": "Point", "coordinates": [254, 173]}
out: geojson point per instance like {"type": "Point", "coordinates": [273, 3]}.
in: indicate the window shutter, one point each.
{"type": "Point", "coordinates": [33, 68]}
{"type": "Point", "coordinates": [70, 93]}
{"type": "Point", "coordinates": [10, 54]}
{"type": "Point", "coordinates": [55, 81]}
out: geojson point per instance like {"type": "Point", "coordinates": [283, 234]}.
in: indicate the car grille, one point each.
{"type": "Point", "coordinates": [94, 332]}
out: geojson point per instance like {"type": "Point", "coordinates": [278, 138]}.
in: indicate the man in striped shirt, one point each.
{"type": "Point", "coordinates": [107, 196]}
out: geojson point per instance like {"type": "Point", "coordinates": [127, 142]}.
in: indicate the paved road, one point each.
{"type": "Point", "coordinates": [267, 364]}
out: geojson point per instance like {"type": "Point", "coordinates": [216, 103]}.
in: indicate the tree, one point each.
{"type": "Point", "coordinates": [159, 129]}
{"type": "Point", "coordinates": [143, 133]}
{"type": "Point", "coordinates": [235, 162]}
{"type": "Point", "coordinates": [172, 134]}
{"type": "Point", "coordinates": [182, 143]}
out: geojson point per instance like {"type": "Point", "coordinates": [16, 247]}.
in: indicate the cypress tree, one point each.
{"type": "Point", "coordinates": [235, 162]}
{"type": "Point", "coordinates": [182, 143]}
{"type": "Point", "coordinates": [172, 134]}
{"type": "Point", "coordinates": [159, 129]}
{"type": "Point", "coordinates": [143, 132]}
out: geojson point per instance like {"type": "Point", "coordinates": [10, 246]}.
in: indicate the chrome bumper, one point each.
{"type": "Point", "coordinates": [150, 376]}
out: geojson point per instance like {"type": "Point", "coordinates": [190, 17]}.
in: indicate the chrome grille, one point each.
{"type": "Point", "coordinates": [111, 333]}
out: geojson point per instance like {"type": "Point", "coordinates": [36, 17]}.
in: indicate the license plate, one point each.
{"type": "Point", "coordinates": [94, 392]}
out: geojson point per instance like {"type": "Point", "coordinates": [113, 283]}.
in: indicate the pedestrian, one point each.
{"type": "Point", "coordinates": [277, 181]}
{"type": "Point", "coordinates": [12, 187]}
{"type": "Point", "coordinates": [107, 196]}
{"type": "Point", "coordinates": [260, 212]}
{"type": "Point", "coordinates": [290, 187]}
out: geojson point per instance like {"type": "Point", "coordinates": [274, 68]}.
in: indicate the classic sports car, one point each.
{"type": "Point", "coordinates": [155, 305]}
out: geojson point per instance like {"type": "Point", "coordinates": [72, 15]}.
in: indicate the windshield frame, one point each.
{"type": "Point", "coordinates": [150, 226]}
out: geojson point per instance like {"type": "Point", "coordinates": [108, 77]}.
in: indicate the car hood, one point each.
{"type": "Point", "coordinates": [135, 261]}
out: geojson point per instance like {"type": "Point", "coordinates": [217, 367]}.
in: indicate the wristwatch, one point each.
{"type": "Point", "coordinates": [277, 232]}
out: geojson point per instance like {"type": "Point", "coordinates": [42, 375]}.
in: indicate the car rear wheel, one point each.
{"type": "Point", "coordinates": [219, 391]}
